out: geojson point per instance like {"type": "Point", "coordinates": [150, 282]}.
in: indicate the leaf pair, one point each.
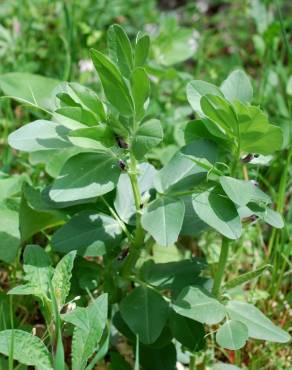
{"type": "Point", "coordinates": [227, 114]}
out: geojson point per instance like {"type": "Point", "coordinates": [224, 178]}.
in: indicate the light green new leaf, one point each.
{"type": "Point", "coordinates": [221, 113]}
{"type": "Point", "coordinates": [196, 89]}
{"type": "Point", "coordinates": [140, 90]}
{"type": "Point", "coordinates": [97, 138]}
{"type": "Point", "coordinates": [61, 278]}
{"type": "Point", "coordinates": [120, 49]}
{"type": "Point", "coordinates": [258, 325]}
{"type": "Point", "coordinates": [193, 303]}
{"type": "Point", "coordinates": [115, 88]}
{"type": "Point", "coordinates": [38, 272]}
{"type": "Point", "coordinates": [217, 211]}
{"type": "Point", "coordinates": [148, 136]}
{"type": "Point", "coordinates": [89, 325]}
{"type": "Point", "coordinates": [242, 192]}
{"type": "Point", "coordinates": [145, 312]}
{"type": "Point", "coordinates": [89, 233]}
{"type": "Point", "coordinates": [232, 335]}
{"type": "Point", "coordinates": [163, 219]}
{"type": "Point", "coordinates": [39, 135]}
{"type": "Point", "coordinates": [141, 49]}
{"type": "Point", "coordinates": [34, 90]}
{"type": "Point", "coordinates": [85, 176]}
{"type": "Point", "coordinates": [237, 86]}
{"type": "Point", "coordinates": [9, 235]}
{"type": "Point", "coordinates": [263, 143]}
{"type": "Point", "coordinates": [28, 349]}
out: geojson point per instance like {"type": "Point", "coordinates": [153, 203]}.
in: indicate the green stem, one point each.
{"type": "Point", "coordinates": [139, 232]}
{"type": "Point", "coordinates": [222, 262]}
{"type": "Point", "coordinates": [192, 363]}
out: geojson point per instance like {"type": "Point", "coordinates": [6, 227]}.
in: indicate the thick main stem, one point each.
{"type": "Point", "coordinates": [139, 233]}
{"type": "Point", "coordinates": [222, 263]}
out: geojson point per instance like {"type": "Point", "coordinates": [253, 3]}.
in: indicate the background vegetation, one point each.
{"type": "Point", "coordinates": [203, 40]}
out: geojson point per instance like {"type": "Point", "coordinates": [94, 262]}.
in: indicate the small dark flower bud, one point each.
{"type": "Point", "coordinates": [247, 158]}
{"type": "Point", "coordinates": [122, 165]}
{"type": "Point", "coordinates": [123, 254]}
{"type": "Point", "coordinates": [121, 143]}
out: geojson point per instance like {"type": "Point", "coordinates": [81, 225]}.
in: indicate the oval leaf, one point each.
{"type": "Point", "coordinates": [145, 312]}
{"type": "Point", "coordinates": [163, 219]}
{"type": "Point", "coordinates": [258, 325]}
{"type": "Point", "coordinates": [232, 335]}
{"type": "Point", "coordinates": [84, 176]}
{"type": "Point", "coordinates": [192, 302]}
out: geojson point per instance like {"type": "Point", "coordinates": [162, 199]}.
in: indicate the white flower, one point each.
{"type": "Point", "coordinates": [85, 65]}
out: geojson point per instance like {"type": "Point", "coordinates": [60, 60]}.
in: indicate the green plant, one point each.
{"type": "Point", "coordinates": [121, 209]}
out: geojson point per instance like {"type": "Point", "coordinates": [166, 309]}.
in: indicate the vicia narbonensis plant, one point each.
{"type": "Point", "coordinates": [116, 207]}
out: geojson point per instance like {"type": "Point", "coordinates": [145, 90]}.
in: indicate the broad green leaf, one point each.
{"type": "Point", "coordinates": [85, 176]}
{"type": "Point", "coordinates": [141, 49]}
{"type": "Point", "coordinates": [196, 89]}
{"type": "Point", "coordinates": [158, 359]}
{"type": "Point", "coordinates": [174, 46]}
{"type": "Point", "coordinates": [86, 98]}
{"type": "Point", "coordinates": [232, 335]}
{"type": "Point", "coordinates": [54, 160]}
{"type": "Point", "coordinates": [9, 235]}
{"type": "Point", "coordinates": [115, 88]}
{"type": "Point", "coordinates": [192, 224]}
{"type": "Point", "coordinates": [148, 136]}
{"type": "Point", "coordinates": [237, 86]}
{"type": "Point", "coordinates": [258, 325]}
{"type": "Point", "coordinates": [89, 233]}
{"type": "Point", "coordinates": [257, 135]}
{"type": "Point", "coordinates": [38, 272]}
{"type": "Point", "coordinates": [61, 278]}
{"type": "Point", "coordinates": [89, 326]}
{"type": "Point", "coordinates": [39, 135]}
{"type": "Point", "coordinates": [164, 275]}
{"type": "Point", "coordinates": [163, 219]}
{"type": "Point", "coordinates": [28, 349]}
{"type": "Point", "coordinates": [97, 137]}
{"type": "Point", "coordinates": [34, 215]}
{"type": "Point", "coordinates": [195, 304]}
{"type": "Point", "coordinates": [140, 90]}
{"type": "Point", "coordinates": [120, 49]}
{"type": "Point", "coordinates": [263, 143]}
{"type": "Point", "coordinates": [188, 332]}
{"type": "Point", "coordinates": [217, 211]}
{"type": "Point", "coordinates": [145, 312]}
{"type": "Point", "coordinates": [221, 113]}
{"type": "Point", "coordinates": [73, 118]}
{"type": "Point", "coordinates": [242, 192]}
{"type": "Point", "coordinates": [181, 172]}
{"type": "Point", "coordinates": [11, 185]}
{"type": "Point", "coordinates": [34, 90]}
